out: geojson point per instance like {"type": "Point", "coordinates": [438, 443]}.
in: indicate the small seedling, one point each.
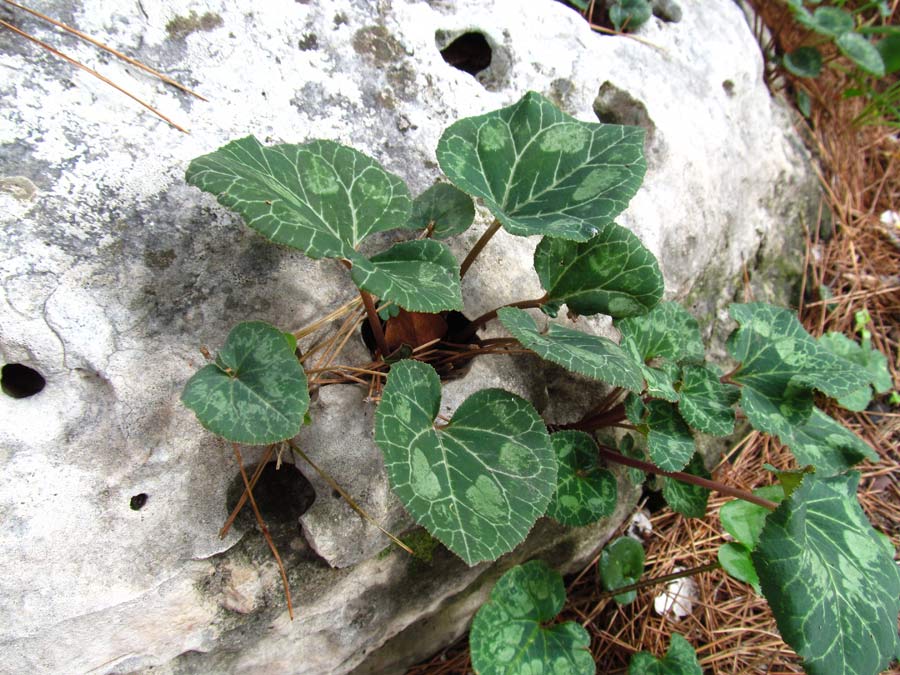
{"type": "Point", "coordinates": [621, 564]}
{"type": "Point", "coordinates": [512, 633]}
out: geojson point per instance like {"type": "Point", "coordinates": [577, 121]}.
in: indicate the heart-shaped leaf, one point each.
{"type": "Point", "coordinates": [541, 171]}
{"type": "Point", "coordinates": [735, 560]}
{"type": "Point", "coordinates": [826, 444]}
{"type": "Point", "coordinates": [680, 659]}
{"type": "Point", "coordinates": [420, 276]}
{"type": "Point", "coordinates": [256, 392]}
{"type": "Point", "coordinates": [629, 448]}
{"type": "Point", "coordinates": [585, 493]}
{"type": "Point", "coordinates": [830, 21]}
{"type": "Point", "coordinates": [744, 520]}
{"type": "Point", "coordinates": [509, 634]}
{"type": "Point", "coordinates": [445, 209]}
{"type": "Point", "coordinates": [635, 410]}
{"type": "Point", "coordinates": [610, 274]}
{"type": "Point", "coordinates": [862, 52]}
{"type": "Point", "coordinates": [669, 440]}
{"type": "Point", "coordinates": [660, 380]}
{"type": "Point", "coordinates": [889, 48]}
{"type": "Point", "coordinates": [686, 498]}
{"type": "Point", "coordinates": [831, 583]}
{"type": "Point", "coordinates": [804, 62]}
{"type": "Point", "coordinates": [667, 331]}
{"type": "Point", "coordinates": [629, 14]}
{"type": "Point", "coordinates": [780, 365]}
{"type": "Point", "coordinates": [705, 403]}
{"type": "Point", "coordinates": [771, 336]}
{"type": "Point", "coordinates": [320, 197]}
{"type": "Point", "coordinates": [621, 564]}
{"type": "Point", "coordinates": [479, 483]}
{"type": "Point", "coordinates": [596, 357]}
{"type": "Point", "coordinates": [872, 360]}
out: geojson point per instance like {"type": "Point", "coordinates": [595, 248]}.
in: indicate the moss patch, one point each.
{"type": "Point", "coordinates": [182, 26]}
{"type": "Point", "coordinates": [377, 45]}
{"type": "Point", "coordinates": [422, 544]}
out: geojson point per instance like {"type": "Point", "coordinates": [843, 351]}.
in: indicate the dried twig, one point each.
{"type": "Point", "coordinates": [105, 47]}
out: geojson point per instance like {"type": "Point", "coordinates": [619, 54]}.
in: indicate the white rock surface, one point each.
{"type": "Point", "coordinates": [115, 271]}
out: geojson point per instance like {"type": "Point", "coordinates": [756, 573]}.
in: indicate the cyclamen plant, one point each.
{"type": "Point", "coordinates": [478, 482]}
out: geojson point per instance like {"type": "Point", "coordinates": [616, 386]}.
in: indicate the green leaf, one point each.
{"type": "Point", "coordinates": [832, 586]}
{"type": "Point", "coordinates": [660, 381]}
{"type": "Point", "coordinates": [827, 445]}
{"type": "Point", "coordinates": [873, 362]}
{"type": "Point", "coordinates": [705, 403]}
{"type": "Point", "coordinates": [389, 311]}
{"type": "Point", "coordinates": [629, 448]}
{"type": "Point", "coordinates": [420, 276]}
{"type": "Point", "coordinates": [541, 171]}
{"type": "Point", "coordinates": [667, 331]}
{"type": "Point", "coordinates": [479, 483]}
{"type": "Point", "coordinates": [735, 560]}
{"type": "Point", "coordinates": [680, 659]}
{"type": "Point", "coordinates": [509, 636]}
{"type": "Point", "coordinates": [291, 341]}
{"type": "Point", "coordinates": [780, 365]}
{"type": "Point", "coordinates": [621, 564]}
{"type": "Point", "coordinates": [831, 21]}
{"type": "Point", "coordinates": [771, 336]}
{"type": "Point", "coordinates": [862, 52]}
{"type": "Point", "coordinates": [610, 274]}
{"type": "Point", "coordinates": [889, 48]}
{"type": "Point", "coordinates": [789, 479]}
{"type": "Point", "coordinates": [585, 493]}
{"type": "Point", "coordinates": [744, 520]}
{"type": "Point", "coordinates": [320, 197]}
{"type": "Point", "coordinates": [669, 439]}
{"type": "Point", "coordinates": [685, 498]}
{"type": "Point", "coordinates": [635, 409]}
{"type": "Point", "coordinates": [596, 357]}
{"type": "Point", "coordinates": [804, 103]}
{"type": "Point", "coordinates": [804, 62]}
{"type": "Point", "coordinates": [630, 14]}
{"type": "Point", "coordinates": [444, 207]}
{"type": "Point", "coordinates": [256, 393]}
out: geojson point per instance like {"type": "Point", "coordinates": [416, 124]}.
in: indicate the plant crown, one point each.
{"type": "Point", "coordinates": [480, 481]}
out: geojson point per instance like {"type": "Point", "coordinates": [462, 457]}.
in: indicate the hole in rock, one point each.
{"type": "Point", "coordinates": [20, 381]}
{"type": "Point", "coordinates": [282, 495]}
{"type": "Point", "coordinates": [728, 86]}
{"type": "Point", "coordinates": [470, 52]}
{"type": "Point", "coordinates": [408, 331]}
{"type": "Point", "coordinates": [137, 502]}
{"type": "Point", "coordinates": [653, 499]}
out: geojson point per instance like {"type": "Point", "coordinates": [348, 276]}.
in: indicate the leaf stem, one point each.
{"type": "Point", "coordinates": [599, 420]}
{"type": "Point", "coordinates": [479, 323]}
{"type": "Point", "coordinates": [726, 378]}
{"type": "Point", "coordinates": [612, 456]}
{"type": "Point", "coordinates": [476, 249]}
{"type": "Point", "coordinates": [374, 322]}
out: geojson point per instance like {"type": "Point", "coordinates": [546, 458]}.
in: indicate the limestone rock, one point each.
{"type": "Point", "coordinates": [115, 272]}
